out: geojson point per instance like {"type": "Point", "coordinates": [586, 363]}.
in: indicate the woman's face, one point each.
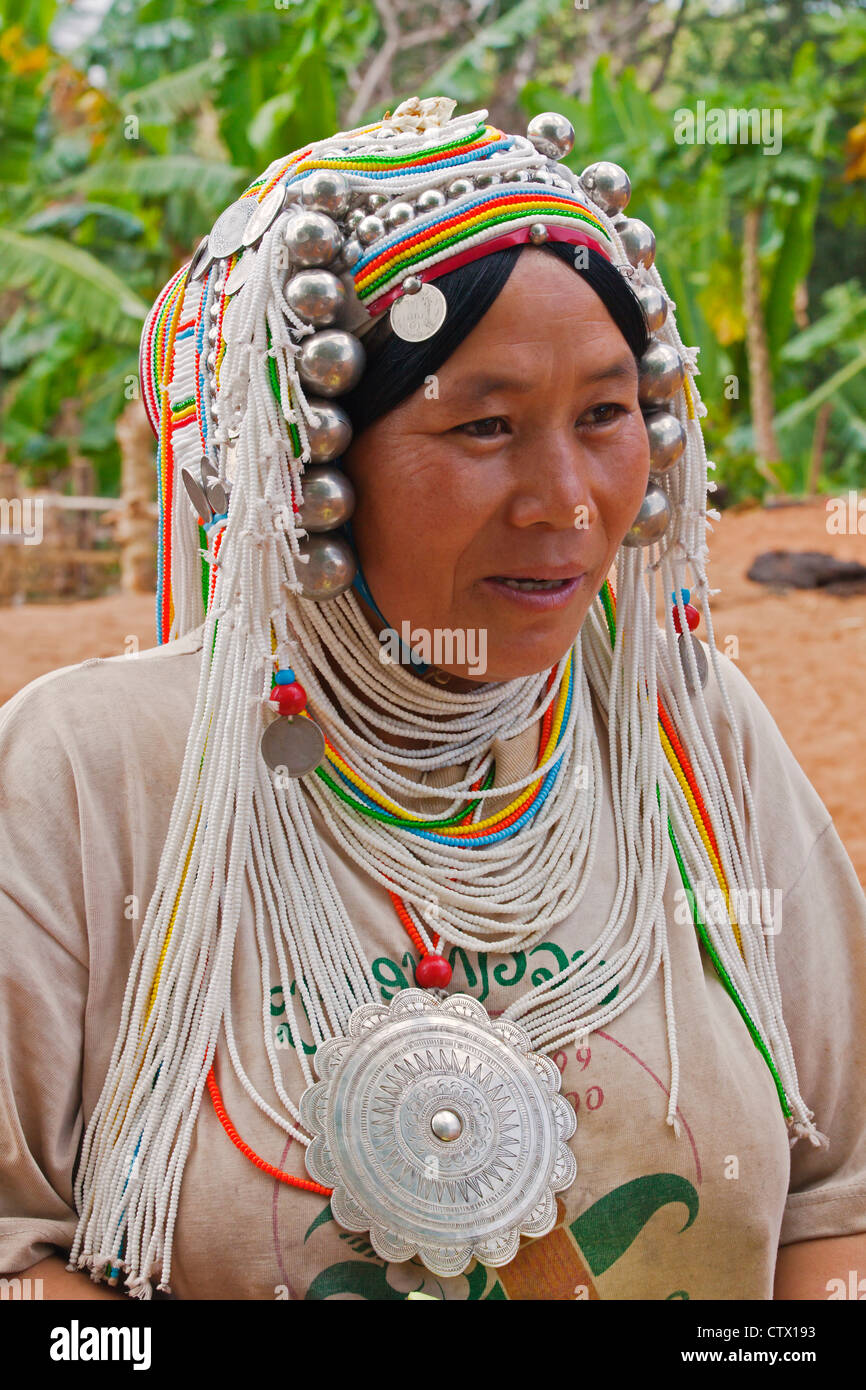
{"type": "Point", "coordinates": [526, 456]}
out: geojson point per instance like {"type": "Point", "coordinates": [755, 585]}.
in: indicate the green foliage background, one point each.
{"type": "Point", "coordinates": [120, 146]}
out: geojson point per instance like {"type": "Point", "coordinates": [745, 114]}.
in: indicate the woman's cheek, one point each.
{"type": "Point", "coordinates": [622, 473]}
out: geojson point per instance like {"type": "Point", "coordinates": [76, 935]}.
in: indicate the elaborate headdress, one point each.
{"type": "Point", "coordinates": [243, 356]}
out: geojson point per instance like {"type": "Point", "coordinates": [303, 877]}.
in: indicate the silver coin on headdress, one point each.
{"type": "Point", "coordinates": [417, 316]}
{"type": "Point", "coordinates": [227, 233]}
{"type": "Point", "coordinates": [266, 212]}
{"type": "Point", "coordinates": [197, 495]}
{"type": "Point", "coordinates": [217, 496]}
{"type": "Point", "coordinates": [201, 260]}
{"type": "Point", "coordinates": [241, 272]}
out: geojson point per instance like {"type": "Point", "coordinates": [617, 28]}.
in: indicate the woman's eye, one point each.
{"type": "Point", "coordinates": [603, 414]}
{"type": "Point", "coordinates": [480, 428]}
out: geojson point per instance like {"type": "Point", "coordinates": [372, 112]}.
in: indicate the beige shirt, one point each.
{"type": "Point", "coordinates": [90, 759]}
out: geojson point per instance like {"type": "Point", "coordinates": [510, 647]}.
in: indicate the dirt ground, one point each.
{"type": "Point", "coordinates": [804, 651]}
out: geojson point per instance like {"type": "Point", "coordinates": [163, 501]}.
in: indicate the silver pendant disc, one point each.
{"type": "Point", "coordinates": [264, 214]}
{"type": "Point", "coordinates": [197, 495]}
{"type": "Point", "coordinates": [293, 745]}
{"type": "Point", "coordinates": [439, 1130]}
{"type": "Point", "coordinates": [415, 317]}
{"type": "Point", "coordinates": [694, 661]}
{"type": "Point", "coordinates": [217, 496]}
{"type": "Point", "coordinates": [200, 261]}
{"type": "Point", "coordinates": [241, 272]}
{"type": "Point", "coordinates": [226, 234]}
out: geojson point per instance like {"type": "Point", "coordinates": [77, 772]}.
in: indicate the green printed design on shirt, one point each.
{"type": "Point", "coordinates": [392, 977]}
{"type": "Point", "coordinates": [602, 1234]}
{"type": "Point", "coordinates": [606, 1229]}
{"type": "Point", "coordinates": [471, 976]}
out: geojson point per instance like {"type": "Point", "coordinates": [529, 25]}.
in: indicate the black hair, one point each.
{"type": "Point", "coordinates": [395, 368]}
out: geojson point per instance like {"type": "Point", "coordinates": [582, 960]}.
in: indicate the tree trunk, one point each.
{"type": "Point", "coordinates": [757, 353]}
{"type": "Point", "coordinates": [819, 444]}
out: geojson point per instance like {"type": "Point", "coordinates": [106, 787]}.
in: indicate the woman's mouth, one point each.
{"type": "Point", "coordinates": [533, 592]}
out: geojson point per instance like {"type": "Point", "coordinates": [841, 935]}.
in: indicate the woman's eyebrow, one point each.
{"type": "Point", "coordinates": [481, 384]}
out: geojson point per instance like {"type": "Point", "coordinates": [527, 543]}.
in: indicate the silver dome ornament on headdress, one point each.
{"type": "Point", "coordinates": [661, 373]}
{"type": "Point", "coordinates": [551, 134]}
{"type": "Point", "coordinates": [331, 362]}
{"type": "Point", "coordinates": [313, 238]}
{"type": "Point", "coordinates": [654, 305]}
{"type": "Point", "coordinates": [652, 519]}
{"type": "Point", "coordinates": [329, 499]}
{"type": "Point", "coordinates": [399, 214]}
{"type": "Point", "coordinates": [607, 185]}
{"type": "Point", "coordinates": [316, 296]}
{"type": "Point", "coordinates": [638, 241]}
{"type": "Point", "coordinates": [331, 435]}
{"type": "Point", "coordinates": [370, 229]}
{"type": "Point", "coordinates": [330, 569]}
{"type": "Point", "coordinates": [459, 188]}
{"type": "Point", "coordinates": [440, 1131]}
{"type": "Point", "coordinates": [352, 252]}
{"type": "Point", "coordinates": [327, 191]}
{"type": "Point", "coordinates": [667, 440]}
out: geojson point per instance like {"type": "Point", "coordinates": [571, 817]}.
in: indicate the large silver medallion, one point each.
{"type": "Point", "coordinates": [439, 1130]}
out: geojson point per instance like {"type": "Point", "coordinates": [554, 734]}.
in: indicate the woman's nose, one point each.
{"type": "Point", "coordinates": [552, 486]}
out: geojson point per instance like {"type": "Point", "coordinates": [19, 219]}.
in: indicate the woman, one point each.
{"type": "Point", "coordinates": [443, 952]}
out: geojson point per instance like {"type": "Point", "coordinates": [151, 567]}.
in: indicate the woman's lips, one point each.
{"type": "Point", "coordinates": [539, 600]}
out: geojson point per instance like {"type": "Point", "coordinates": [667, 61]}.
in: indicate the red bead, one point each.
{"type": "Point", "coordinates": [433, 972]}
{"type": "Point", "coordinates": [693, 617]}
{"type": "Point", "coordinates": [290, 699]}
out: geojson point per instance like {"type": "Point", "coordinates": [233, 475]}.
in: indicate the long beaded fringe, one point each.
{"type": "Point", "coordinates": [230, 821]}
